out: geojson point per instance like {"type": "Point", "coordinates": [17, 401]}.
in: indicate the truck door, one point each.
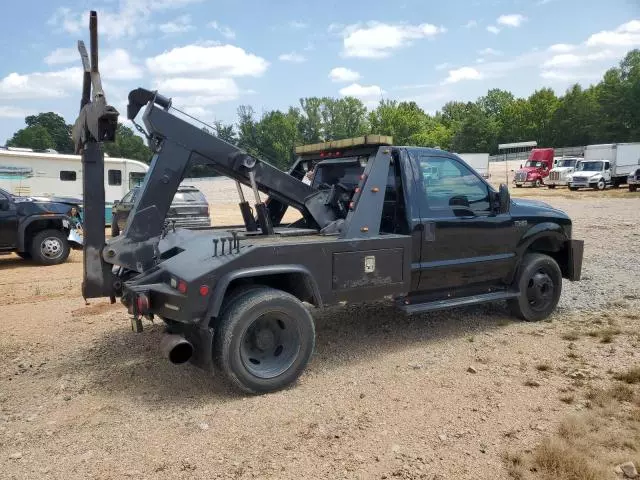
{"type": "Point", "coordinates": [465, 242]}
{"type": "Point", "coordinates": [8, 222]}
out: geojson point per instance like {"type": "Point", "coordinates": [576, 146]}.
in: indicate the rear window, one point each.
{"type": "Point", "coordinates": [191, 196]}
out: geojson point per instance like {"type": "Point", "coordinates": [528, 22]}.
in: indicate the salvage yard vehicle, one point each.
{"type": "Point", "coordinates": [633, 180]}
{"type": "Point", "coordinates": [605, 165]}
{"type": "Point", "coordinates": [536, 168]}
{"type": "Point", "coordinates": [371, 228]}
{"type": "Point", "coordinates": [559, 174]}
{"type": "Point", "coordinates": [36, 228]}
{"type": "Point", "coordinates": [189, 209]}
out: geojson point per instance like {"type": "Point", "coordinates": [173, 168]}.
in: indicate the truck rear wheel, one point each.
{"type": "Point", "coordinates": [50, 247]}
{"type": "Point", "coordinates": [540, 283]}
{"type": "Point", "coordinates": [264, 340]}
{"type": "Point", "coordinates": [633, 188]}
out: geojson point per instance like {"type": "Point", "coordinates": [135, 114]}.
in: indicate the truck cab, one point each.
{"type": "Point", "coordinates": [536, 168]}
{"type": "Point", "coordinates": [559, 174]}
{"type": "Point", "coordinates": [590, 174]}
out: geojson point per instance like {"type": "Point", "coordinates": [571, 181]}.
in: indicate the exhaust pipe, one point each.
{"type": "Point", "coordinates": [176, 348]}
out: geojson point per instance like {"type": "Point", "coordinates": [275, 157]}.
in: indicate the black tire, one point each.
{"type": "Point", "coordinates": [633, 188]}
{"type": "Point", "coordinates": [264, 340]}
{"type": "Point", "coordinates": [115, 229]}
{"type": "Point", "coordinates": [50, 247]}
{"type": "Point", "coordinates": [573, 189]}
{"type": "Point", "coordinates": [518, 186]}
{"type": "Point", "coordinates": [601, 185]}
{"type": "Point", "coordinates": [537, 183]}
{"type": "Point", "coordinates": [540, 283]}
{"type": "Point", "coordinates": [551, 186]}
{"type": "Point", "coordinates": [24, 255]}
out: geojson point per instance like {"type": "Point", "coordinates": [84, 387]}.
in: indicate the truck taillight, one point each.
{"type": "Point", "coordinates": [178, 284]}
{"type": "Point", "coordinates": [143, 305]}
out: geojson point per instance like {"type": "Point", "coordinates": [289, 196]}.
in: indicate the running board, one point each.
{"type": "Point", "coordinates": [456, 302]}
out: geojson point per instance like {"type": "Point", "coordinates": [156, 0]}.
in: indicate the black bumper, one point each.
{"type": "Point", "coordinates": [576, 250]}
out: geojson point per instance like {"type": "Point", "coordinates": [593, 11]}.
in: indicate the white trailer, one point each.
{"type": "Point", "coordinates": [28, 173]}
{"type": "Point", "coordinates": [478, 161]}
{"type": "Point", "coordinates": [627, 159]}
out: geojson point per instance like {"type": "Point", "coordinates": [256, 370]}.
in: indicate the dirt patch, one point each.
{"type": "Point", "coordinates": [385, 396]}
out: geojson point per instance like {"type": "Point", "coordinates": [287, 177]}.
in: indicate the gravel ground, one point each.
{"type": "Point", "coordinates": [385, 396]}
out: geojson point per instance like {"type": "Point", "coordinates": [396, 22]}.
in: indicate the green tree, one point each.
{"type": "Point", "coordinates": [128, 145]}
{"type": "Point", "coordinates": [405, 121]}
{"type": "Point", "coordinates": [542, 106]}
{"type": "Point", "coordinates": [311, 125]}
{"type": "Point", "coordinates": [576, 120]}
{"type": "Point", "coordinates": [36, 137]}
{"type": "Point", "coordinates": [58, 129]}
{"type": "Point", "coordinates": [477, 132]}
{"type": "Point", "coordinates": [225, 132]}
{"type": "Point", "coordinates": [343, 118]}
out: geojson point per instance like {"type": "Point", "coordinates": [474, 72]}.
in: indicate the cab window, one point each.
{"type": "Point", "coordinates": [450, 188]}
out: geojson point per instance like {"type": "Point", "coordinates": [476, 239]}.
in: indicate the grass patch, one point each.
{"type": "Point", "coordinates": [631, 376]}
{"type": "Point", "coordinates": [573, 355]}
{"type": "Point", "coordinates": [471, 339]}
{"type": "Point", "coordinates": [587, 445]}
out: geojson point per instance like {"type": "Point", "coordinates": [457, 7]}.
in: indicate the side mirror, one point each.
{"type": "Point", "coordinates": [504, 198]}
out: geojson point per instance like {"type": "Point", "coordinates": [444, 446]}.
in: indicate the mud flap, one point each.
{"type": "Point", "coordinates": [576, 251]}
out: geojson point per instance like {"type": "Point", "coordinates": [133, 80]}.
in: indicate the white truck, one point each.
{"type": "Point", "coordinates": [559, 174]}
{"type": "Point", "coordinates": [605, 165]}
{"type": "Point", "coordinates": [478, 161]}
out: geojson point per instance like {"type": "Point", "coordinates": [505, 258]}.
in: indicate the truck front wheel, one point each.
{"type": "Point", "coordinates": [540, 283]}
{"type": "Point", "coordinates": [50, 247]}
{"type": "Point", "coordinates": [601, 184]}
{"type": "Point", "coordinates": [264, 340]}
{"type": "Point", "coordinates": [633, 188]}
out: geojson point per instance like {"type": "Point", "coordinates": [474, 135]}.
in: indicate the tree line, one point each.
{"type": "Point", "coordinates": [606, 112]}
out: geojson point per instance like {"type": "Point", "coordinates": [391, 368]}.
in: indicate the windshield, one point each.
{"type": "Point", "coordinates": [191, 196]}
{"type": "Point", "coordinates": [590, 167]}
{"type": "Point", "coordinates": [566, 163]}
{"type": "Point", "coordinates": [533, 163]}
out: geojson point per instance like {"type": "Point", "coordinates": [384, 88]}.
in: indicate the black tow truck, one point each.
{"type": "Point", "coordinates": [37, 228]}
{"type": "Point", "coordinates": [375, 223]}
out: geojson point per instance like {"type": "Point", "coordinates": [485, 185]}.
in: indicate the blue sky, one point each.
{"type": "Point", "coordinates": [213, 55]}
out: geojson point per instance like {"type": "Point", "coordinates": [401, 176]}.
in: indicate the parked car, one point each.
{"type": "Point", "coordinates": [633, 180]}
{"type": "Point", "coordinates": [189, 209]}
{"type": "Point", "coordinates": [37, 228]}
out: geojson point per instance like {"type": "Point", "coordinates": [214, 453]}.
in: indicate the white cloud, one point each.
{"type": "Point", "coordinates": [471, 24]}
{"type": "Point", "coordinates": [490, 52]}
{"type": "Point", "coordinates": [117, 65]}
{"type": "Point", "coordinates": [226, 32]}
{"type": "Point", "coordinates": [7, 111]}
{"type": "Point", "coordinates": [130, 19]}
{"type": "Point", "coordinates": [180, 25]}
{"type": "Point", "coordinates": [493, 29]}
{"type": "Point", "coordinates": [443, 66]}
{"type": "Point", "coordinates": [298, 25]}
{"type": "Point", "coordinates": [335, 27]}
{"type": "Point", "coordinates": [561, 48]}
{"type": "Point", "coordinates": [211, 88]}
{"type": "Point", "coordinates": [512, 20]}
{"type": "Point", "coordinates": [292, 57]}
{"type": "Point", "coordinates": [369, 92]}
{"type": "Point", "coordinates": [342, 74]}
{"type": "Point", "coordinates": [378, 40]}
{"type": "Point", "coordinates": [114, 65]}
{"type": "Point", "coordinates": [62, 55]}
{"type": "Point", "coordinates": [626, 35]}
{"type": "Point", "coordinates": [41, 85]}
{"type": "Point", "coordinates": [569, 60]}
{"type": "Point", "coordinates": [463, 73]}
{"type": "Point", "coordinates": [207, 61]}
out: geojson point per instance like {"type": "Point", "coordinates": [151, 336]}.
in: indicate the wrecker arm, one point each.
{"type": "Point", "coordinates": [177, 144]}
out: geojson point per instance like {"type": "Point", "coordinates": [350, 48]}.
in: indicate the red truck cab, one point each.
{"type": "Point", "coordinates": [536, 169]}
